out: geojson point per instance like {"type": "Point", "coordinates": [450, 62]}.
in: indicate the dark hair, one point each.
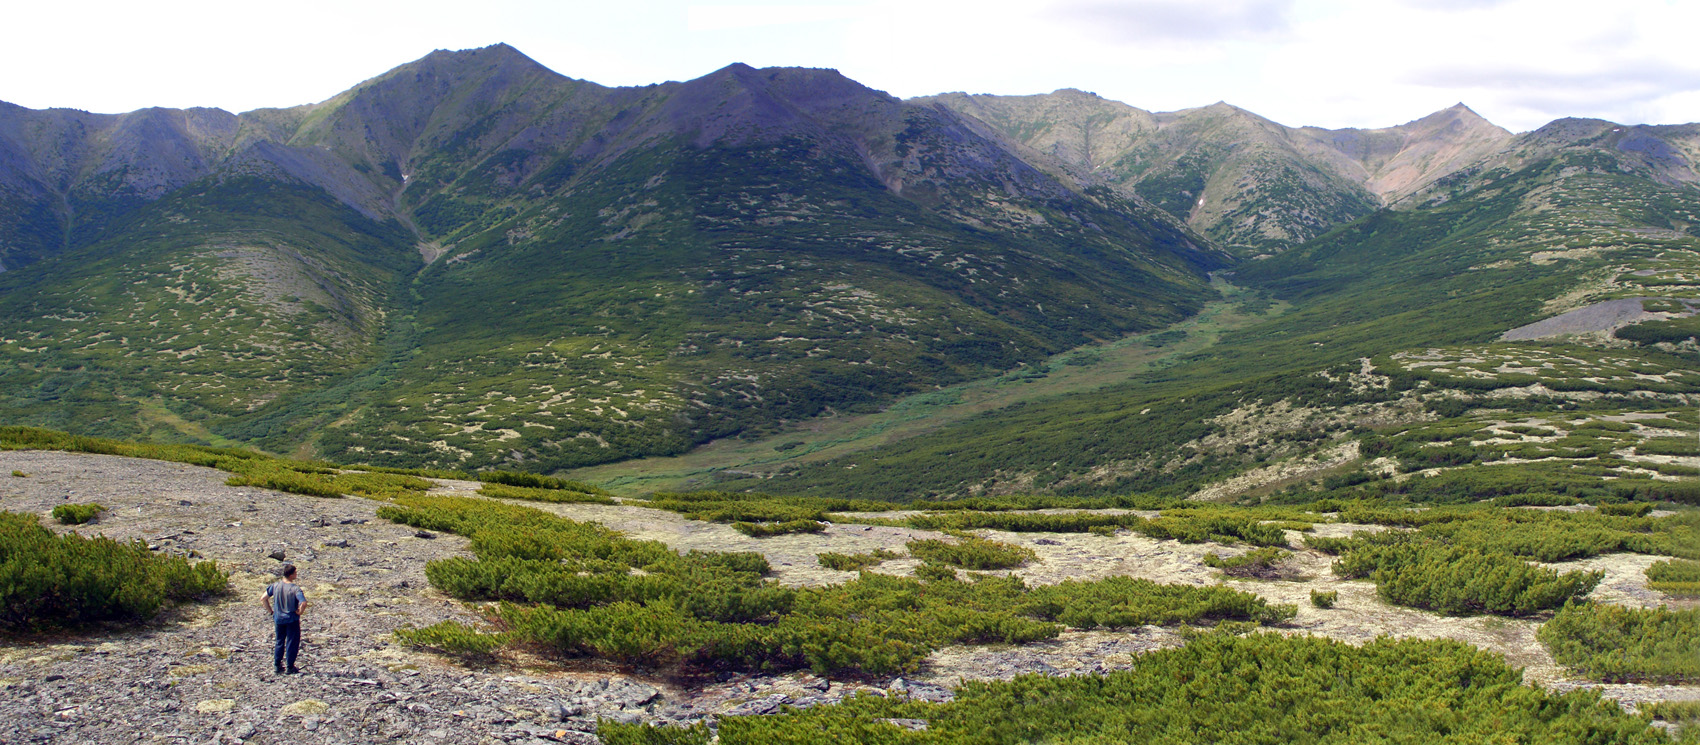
{"type": "Point", "coordinates": [287, 571]}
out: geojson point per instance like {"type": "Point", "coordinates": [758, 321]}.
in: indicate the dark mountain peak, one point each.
{"type": "Point", "coordinates": [493, 56]}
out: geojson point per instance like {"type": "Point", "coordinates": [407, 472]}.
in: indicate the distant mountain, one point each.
{"type": "Point", "coordinates": [471, 261]}
{"type": "Point", "coordinates": [1254, 185]}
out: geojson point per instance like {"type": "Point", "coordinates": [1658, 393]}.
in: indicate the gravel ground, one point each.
{"type": "Point", "coordinates": [202, 673]}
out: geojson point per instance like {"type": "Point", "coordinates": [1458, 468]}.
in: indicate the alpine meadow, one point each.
{"type": "Point", "coordinates": [767, 407]}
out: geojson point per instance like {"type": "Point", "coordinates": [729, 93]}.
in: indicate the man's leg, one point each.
{"type": "Point", "coordinates": [294, 645]}
{"type": "Point", "coordinates": [277, 651]}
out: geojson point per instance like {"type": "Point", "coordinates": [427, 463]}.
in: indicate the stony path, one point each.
{"type": "Point", "coordinates": [201, 673]}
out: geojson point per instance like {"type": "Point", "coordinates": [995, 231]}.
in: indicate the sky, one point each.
{"type": "Point", "coordinates": [1330, 63]}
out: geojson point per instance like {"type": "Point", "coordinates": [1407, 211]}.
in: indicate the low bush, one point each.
{"type": "Point", "coordinates": [1126, 602]}
{"type": "Point", "coordinates": [535, 481]}
{"type": "Point", "coordinates": [855, 562]}
{"type": "Point", "coordinates": [452, 638]}
{"type": "Point", "coordinates": [1256, 563]}
{"type": "Point", "coordinates": [1676, 577]}
{"type": "Point", "coordinates": [579, 589]}
{"type": "Point", "coordinates": [765, 530]}
{"type": "Point", "coordinates": [1679, 712]}
{"type": "Point", "coordinates": [273, 475]}
{"type": "Point", "coordinates": [970, 552]}
{"type": "Point", "coordinates": [1263, 688]}
{"type": "Point", "coordinates": [498, 490]}
{"type": "Point", "coordinates": [51, 580]}
{"type": "Point", "coordinates": [728, 507]}
{"type": "Point", "coordinates": [1422, 572]}
{"type": "Point", "coordinates": [1324, 600]}
{"type": "Point", "coordinates": [1626, 509]}
{"type": "Point", "coordinates": [1617, 644]}
{"type": "Point", "coordinates": [77, 514]}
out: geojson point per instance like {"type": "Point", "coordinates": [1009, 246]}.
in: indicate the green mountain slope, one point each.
{"type": "Point", "coordinates": [602, 272]}
{"type": "Point", "coordinates": [1395, 317]}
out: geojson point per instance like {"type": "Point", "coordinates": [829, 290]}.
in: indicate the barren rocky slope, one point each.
{"type": "Point", "coordinates": [201, 673]}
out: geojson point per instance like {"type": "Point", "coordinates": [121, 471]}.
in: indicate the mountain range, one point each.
{"type": "Point", "coordinates": [471, 261]}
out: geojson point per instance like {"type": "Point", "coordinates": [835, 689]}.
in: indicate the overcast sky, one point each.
{"type": "Point", "coordinates": [1333, 63]}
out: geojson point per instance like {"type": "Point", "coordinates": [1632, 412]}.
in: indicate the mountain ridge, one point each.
{"type": "Point", "coordinates": [758, 245]}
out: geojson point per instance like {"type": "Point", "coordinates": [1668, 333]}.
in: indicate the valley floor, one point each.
{"type": "Point", "coordinates": [201, 673]}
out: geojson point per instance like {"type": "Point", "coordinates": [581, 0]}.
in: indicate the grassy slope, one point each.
{"type": "Point", "coordinates": [691, 294]}
{"type": "Point", "coordinates": [196, 309]}
{"type": "Point", "coordinates": [1081, 369]}
{"type": "Point", "coordinates": [1459, 273]}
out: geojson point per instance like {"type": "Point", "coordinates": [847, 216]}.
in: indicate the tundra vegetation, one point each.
{"type": "Point", "coordinates": [1262, 688]}
{"type": "Point", "coordinates": [1461, 543]}
{"type": "Point", "coordinates": [50, 580]}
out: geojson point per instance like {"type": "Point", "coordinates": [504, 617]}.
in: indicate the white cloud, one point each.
{"type": "Point", "coordinates": [724, 17]}
{"type": "Point", "coordinates": [1326, 62]}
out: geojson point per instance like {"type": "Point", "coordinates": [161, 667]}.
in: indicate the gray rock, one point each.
{"type": "Point", "coordinates": [278, 555]}
{"type": "Point", "coordinates": [760, 706]}
{"type": "Point", "coordinates": [917, 725]}
{"type": "Point", "coordinates": [918, 691]}
{"type": "Point", "coordinates": [426, 534]}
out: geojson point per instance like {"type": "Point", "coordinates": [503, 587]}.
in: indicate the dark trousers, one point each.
{"type": "Point", "coordinates": [288, 642]}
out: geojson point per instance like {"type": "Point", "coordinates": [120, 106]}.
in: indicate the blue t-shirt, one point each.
{"type": "Point", "coordinates": [286, 601]}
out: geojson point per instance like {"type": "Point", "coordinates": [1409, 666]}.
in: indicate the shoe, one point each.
{"type": "Point", "coordinates": [279, 669]}
{"type": "Point", "coordinates": [292, 670]}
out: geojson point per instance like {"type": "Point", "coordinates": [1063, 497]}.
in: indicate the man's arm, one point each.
{"type": "Point", "coordinates": [267, 599]}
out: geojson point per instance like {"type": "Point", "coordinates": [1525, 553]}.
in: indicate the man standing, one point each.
{"type": "Point", "coordinates": [284, 601]}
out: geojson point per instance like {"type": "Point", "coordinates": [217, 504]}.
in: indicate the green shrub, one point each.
{"type": "Point", "coordinates": [571, 587]}
{"type": "Point", "coordinates": [535, 481]}
{"type": "Point", "coordinates": [855, 562]}
{"type": "Point", "coordinates": [19, 474]}
{"type": "Point", "coordinates": [77, 514]}
{"type": "Point", "coordinates": [970, 552]}
{"type": "Point", "coordinates": [1421, 572]}
{"type": "Point", "coordinates": [452, 638]}
{"type": "Point", "coordinates": [274, 475]}
{"type": "Point", "coordinates": [727, 507]}
{"type": "Point", "coordinates": [50, 580]}
{"type": "Point", "coordinates": [499, 490]}
{"type": "Point", "coordinates": [1626, 509]}
{"type": "Point", "coordinates": [1262, 688]}
{"type": "Point", "coordinates": [1324, 600]}
{"type": "Point", "coordinates": [1125, 602]}
{"type": "Point", "coordinates": [764, 530]}
{"type": "Point", "coordinates": [1676, 577]}
{"type": "Point", "coordinates": [1680, 712]}
{"type": "Point", "coordinates": [1669, 446]}
{"type": "Point", "coordinates": [1256, 563]}
{"type": "Point", "coordinates": [1617, 644]}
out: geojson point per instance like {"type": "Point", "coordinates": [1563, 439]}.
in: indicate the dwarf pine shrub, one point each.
{"type": "Point", "coordinates": [971, 552]}
{"type": "Point", "coordinates": [1262, 688]}
{"type": "Point", "coordinates": [77, 514]}
{"type": "Point", "coordinates": [580, 589]}
{"type": "Point", "coordinates": [764, 530]}
{"type": "Point", "coordinates": [855, 562]}
{"type": "Point", "coordinates": [1617, 644]}
{"type": "Point", "coordinates": [52, 580]}
{"type": "Point", "coordinates": [1676, 576]}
